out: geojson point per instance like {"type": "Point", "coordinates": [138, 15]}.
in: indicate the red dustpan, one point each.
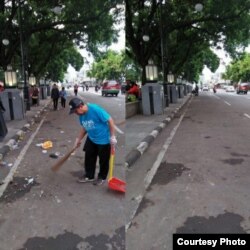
{"type": "Point", "coordinates": [113, 182]}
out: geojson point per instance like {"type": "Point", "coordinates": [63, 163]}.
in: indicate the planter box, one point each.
{"type": "Point", "coordinates": [133, 108]}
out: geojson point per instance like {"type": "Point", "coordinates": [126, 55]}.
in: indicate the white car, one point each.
{"type": "Point", "coordinates": [230, 89]}
{"type": "Point", "coordinates": [205, 88]}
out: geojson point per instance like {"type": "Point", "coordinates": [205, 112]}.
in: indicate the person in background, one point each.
{"type": "Point", "coordinates": [132, 93]}
{"type": "Point", "coordinates": [75, 89]}
{"type": "Point", "coordinates": [63, 95]}
{"type": "Point", "coordinates": [134, 89]}
{"type": "Point", "coordinates": [128, 85]}
{"type": "Point", "coordinates": [55, 95]}
{"type": "Point", "coordinates": [35, 95]}
{"type": "Point", "coordinates": [214, 89]}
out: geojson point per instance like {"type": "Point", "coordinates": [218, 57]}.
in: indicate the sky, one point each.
{"type": "Point", "coordinates": [225, 60]}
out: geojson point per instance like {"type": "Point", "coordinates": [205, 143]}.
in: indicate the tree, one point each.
{"type": "Point", "coordinates": [176, 24]}
{"type": "Point", "coordinates": [109, 66]}
{"type": "Point", "coordinates": [88, 24]}
{"type": "Point", "coordinates": [132, 70]}
{"type": "Point", "coordinates": [239, 69]}
{"type": "Point", "coordinates": [59, 53]}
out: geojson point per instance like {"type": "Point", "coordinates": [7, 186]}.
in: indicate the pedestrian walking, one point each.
{"type": "Point", "coordinates": [55, 96]}
{"type": "Point", "coordinates": [63, 95]}
{"type": "Point", "coordinates": [75, 89]}
{"type": "Point", "coordinates": [100, 130]}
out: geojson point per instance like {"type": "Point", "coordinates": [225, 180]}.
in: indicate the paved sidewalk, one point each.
{"type": "Point", "coordinates": [141, 130]}
{"type": "Point", "coordinates": [17, 128]}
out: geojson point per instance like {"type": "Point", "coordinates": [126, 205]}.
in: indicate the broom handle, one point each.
{"type": "Point", "coordinates": [111, 162]}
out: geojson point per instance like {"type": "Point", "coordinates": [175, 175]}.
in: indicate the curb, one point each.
{"type": "Point", "coordinates": [137, 152]}
{"type": "Point", "coordinates": [4, 150]}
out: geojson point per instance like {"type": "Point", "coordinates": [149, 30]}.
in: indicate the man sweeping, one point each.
{"type": "Point", "coordinates": [100, 130]}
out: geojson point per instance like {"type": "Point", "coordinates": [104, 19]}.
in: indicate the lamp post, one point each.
{"type": "Point", "coordinates": [145, 38]}
{"type": "Point", "coordinates": [151, 71]}
{"type": "Point", "coordinates": [179, 80]}
{"type": "Point", "coordinates": [23, 63]}
{"type": "Point", "coordinates": [32, 80]}
{"type": "Point", "coordinates": [10, 78]}
{"type": "Point", "coordinates": [162, 46]}
{"type": "Point", "coordinates": [5, 42]}
{"type": "Point", "coordinates": [170, 77]}
{"type": "Point", "coordinates": [198, 7]}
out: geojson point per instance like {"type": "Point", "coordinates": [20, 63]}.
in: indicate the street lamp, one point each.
{"type": "Point", "coordinates": [162, 43]}
{"type": "Point", "coordinates": [179, 80]}
{"type": "Point", "coordinates": [145, 38]}
{"type": "Point", "coordinates": [57, 10]}
{"type": "Point", "coordinates": [10, 77]}
{"type": "Point", "coordinates": [32, 80]}
{"type": "Point", "coordinates": [5, 42]}
{"type": "Point", "coordinates": [170, 77]}
{"type": "Point", "coordinates": [198, 7]}
{"type": "Point", "coordinates": [151, 71]}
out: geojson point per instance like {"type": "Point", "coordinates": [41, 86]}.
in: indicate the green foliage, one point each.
{"type": "Point", "coordinates": [59, 65]}
{"type": "Point", "coordinates": [239, 69]}
{"type": "Point", "coordinates": [193, 67]}
{"type": "Point", "coordinates": [109, 66]}
{"type": "Point", "coordinates": [184, 32]}
{"type": "Point", "coordinates": [132, 70]}
{"type": "Point", "coordinates": [86, 24]}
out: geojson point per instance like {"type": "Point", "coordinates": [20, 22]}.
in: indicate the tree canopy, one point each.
{"type": "Point", "coordinates": [184, 32]}
{"type": "Point", "coordinates": [239, 69]}
{"type": "Point", "coordinates": [109, 66]}
{"type": "Point", "coordinates": [46, 34]}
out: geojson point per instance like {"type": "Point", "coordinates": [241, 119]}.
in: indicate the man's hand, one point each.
{"type": "Point", "coordinates": [77, 143]}
{"type": "Point", "coordinates": [113, 140]}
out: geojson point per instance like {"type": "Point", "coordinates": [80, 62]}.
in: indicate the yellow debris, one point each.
{"type": "Point", "coordinates": [47, 144]}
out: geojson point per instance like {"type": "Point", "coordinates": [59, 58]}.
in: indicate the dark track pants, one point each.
{"type": "Point", "coordinates": [63, 101]}
{"type": "Point", "coordinates": [92, 151]}
{"type": "Point", "coordinates": [55, 103]}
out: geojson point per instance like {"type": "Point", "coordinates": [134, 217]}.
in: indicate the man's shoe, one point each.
{"type": "Point", "coordinates": [98, 182]}
{"type": "Point", "coordinates": [84, 179]}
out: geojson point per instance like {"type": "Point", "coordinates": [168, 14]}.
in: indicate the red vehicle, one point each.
{"type": "Point", "coordinates": [110, 87]}
{"type": "Point", "coordinates": [242, 88]}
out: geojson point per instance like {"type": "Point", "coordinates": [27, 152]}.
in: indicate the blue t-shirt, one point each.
{"type": "Point", "coordinates": [95, 122]}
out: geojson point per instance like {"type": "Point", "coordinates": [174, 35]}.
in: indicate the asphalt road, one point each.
{"type": "Point", "coordinates": [194, 178]}
{"type": "Point", "coordinates": [45, 210]}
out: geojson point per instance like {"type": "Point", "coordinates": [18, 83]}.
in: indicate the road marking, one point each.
{"type": "Point", "coordinates": [118, 130]}
{"type": "Point", "coordinates": [20, 157]}
{"type": "Point", "coordinates": [227, 103]}
{"type": "Point", "coordinates": [153, 170]}
{"type": "Point", "coordinates": [248, 116]}
{"type": "Point", "coordinates": [160, 156]}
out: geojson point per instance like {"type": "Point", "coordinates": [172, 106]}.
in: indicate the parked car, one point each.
{"type": "Point", "coordinates": [110, 87]}
{"type": "Point", "coordinates": [242, 88]}
{"type": "Point", "coordinates": [230, 89]}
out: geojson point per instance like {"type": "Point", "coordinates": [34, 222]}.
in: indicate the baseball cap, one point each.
{"type": "Point", "coordinates": [74, 104]}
